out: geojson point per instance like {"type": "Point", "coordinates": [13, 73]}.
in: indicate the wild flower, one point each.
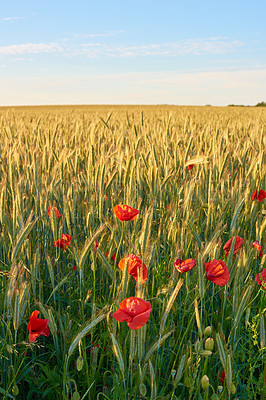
{"type": "Point", "coordinates": [96, 245]}
{"type": "Point", "coordinates": [56, 212]}
{"type": "Point", "coordinates": [238, 245]}
{"type": "Point", "coordinates": [189, 167]}
{"type": "Point", "coordinates": [184, 265]}
{"type": "Point", "coordinates": [257, 245]}
{"type": "Point", "coordinates": [64, 242]}
{"type": "Point", "coordinates": [261, 278]}
{"type": "Point", "coordinates": [136, 268]}
{"type": "Point", "coordinates": [217, 272]}
{"type": "Point", "coordinates": [261, 195]}
{"type": "Point", "coordinates": [125, 213]}
{"type": "Point", "coordinates": [134, 311]}
{"type": "Point", "coordinates": [37, 326]}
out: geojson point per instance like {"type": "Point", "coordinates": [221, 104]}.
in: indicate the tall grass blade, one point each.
{"type": "Point", "coordinates": [170, 304]}
{"type": "Point", "coordinates": [118, 354]}
{"type": "Point", "coordinates": [180, 370]}
{"type": "Point", "coordinates": [84, 331]}
{"type": "Point", "coordinates": [23, 234]}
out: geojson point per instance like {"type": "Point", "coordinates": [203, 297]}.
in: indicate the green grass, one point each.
{"type": "Point", "coordinates": [71, 157]}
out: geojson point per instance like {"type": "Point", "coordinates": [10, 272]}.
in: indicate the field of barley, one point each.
{"type": "Point", "coordinates": [164, 299]}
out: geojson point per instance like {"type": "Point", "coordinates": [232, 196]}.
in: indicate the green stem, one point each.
{"type": "Point", "coordinates": [64, 376]}
{"type": "Point", "coordinates": [117, 253]}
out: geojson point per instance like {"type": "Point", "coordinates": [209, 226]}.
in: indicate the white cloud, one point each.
{"type": "Point", "coordinates": [190, 46]}
{"type": "Point", "coordinates": [29, 48]}
{"type": "Point", "coordinates": [11, 18]}
{"type": "Point", "coordinates": [93, 50]}
{"type": "Point", "coordinates": [92, 35]}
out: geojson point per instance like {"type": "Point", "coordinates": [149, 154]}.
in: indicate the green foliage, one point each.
{"type": "Point", "coordinates": [86, 160]}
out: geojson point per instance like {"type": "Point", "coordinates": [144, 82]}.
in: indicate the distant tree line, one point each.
{"type": "Point", "coordinates": [261, 104]}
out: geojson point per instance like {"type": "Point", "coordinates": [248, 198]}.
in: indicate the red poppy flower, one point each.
{"type": "Point", "coordinates": [222, 378]}
{"type": "Point", "coordinates": [189, 167]}
{"type": "Point", "coordinates": [113, 256]}
{"type": "Point", "coordinates": [238, 245]}
{"type": "Point", "coordinates": [56, 212]}
{"type": "Point", "coordinates": [73, 268]}
{"type": "Point", "coordinates": [134, 311]}
{"type": "Point", "coordinates": [261, 278]}
{"type": "Point", "coordinates": [125, 213]}
{"type": "Point", "coordinates": [217, 272]}
{"type": "Point", "coordinates": [105, 197]}
{"type": "Point", "coordinates": [64, 242]}
{"type": "Point", "coordinates": [261, 195]}
{"type": "Point", "coordinates": [66, 236]}
{"type": "Point", "coordinates": [257, 245]}
{"type": "Point", "coordinates": [184, 265]}
{"type": "Point", "coordinates": [96, 245]}
{"type": "Point", "coordinates": [136, 267]}
{"type": "Point", "coordinates": [37, 326]}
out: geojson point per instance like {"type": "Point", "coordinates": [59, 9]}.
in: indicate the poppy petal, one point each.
{"type": "Point", "coordinates": [122, 316]}
{"type": "Point", "coordinates": [139, 320]}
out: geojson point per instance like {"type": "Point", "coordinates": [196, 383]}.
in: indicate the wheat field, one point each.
{"type": "Point", "coordinates": [202, 340]}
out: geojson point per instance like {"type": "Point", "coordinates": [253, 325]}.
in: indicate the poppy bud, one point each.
{"type": "Point", "coordinates": [205, 353]}
{"type": "Point", "coordinates": [187, 381]}
{"type": "Point", "coordinates": [205, 382]}
{"type": "Point", "coordinates": [15, 390]}
{"type": "Point", "coordinates": [209, 344]}
{"type": "Point", "coordinates": [75, 396]}
{"type": "Point", "coordinates": [172, 342]}
{"type": "Point", "coordinates": [189, 360]}
{"type": "Point", "coordinates": [197, 345]}
{"type": "Point", "coordinates": [173, 372]}
{"type": "Point", "coordinates": [207, 331]}
{"type": "Point", "coordinates": [80, 363]}
{"type": "Point", "coordinates": [143, 389]}
{"type": "Point", "coordinates": [220, 388]}
{"type": "Point", "coordinates": [233, 389]}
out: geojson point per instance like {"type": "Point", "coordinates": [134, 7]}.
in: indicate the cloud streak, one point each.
{"type": "Point", "coordinates": [96, 35]}
{"type": "Point", "coordinates": [190, 46]}
{"type": "Point", "coordinates": [11, 18]}
{"type": "Point", "coordinates": [91, 49]}
{"type": "Point", "coordinates": [30, 48]}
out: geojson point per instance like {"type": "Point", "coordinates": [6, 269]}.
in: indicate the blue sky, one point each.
{"type": "Point", "coordinates": [132, 52]}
